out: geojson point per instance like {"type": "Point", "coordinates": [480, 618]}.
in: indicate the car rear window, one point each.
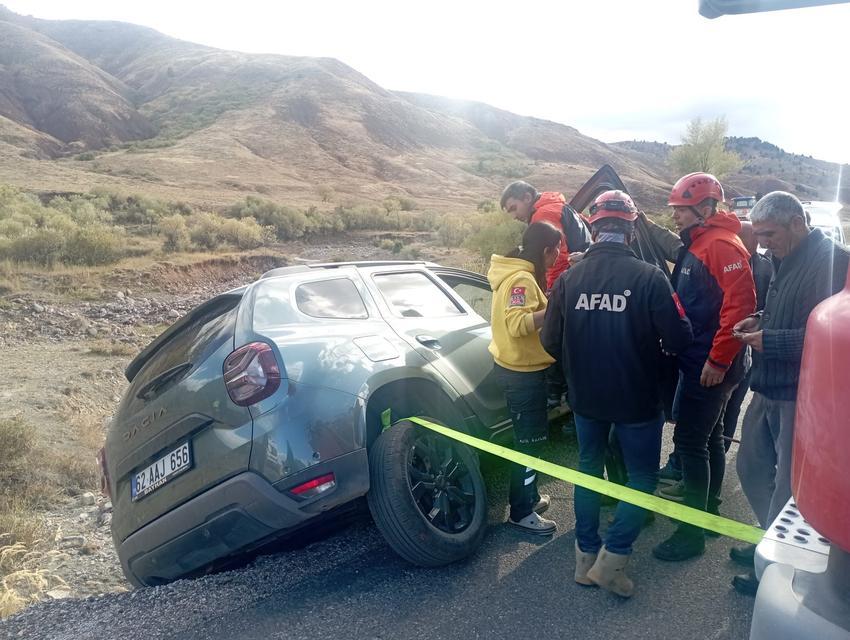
{"type": "Point", "coordinates": [193, 342]}
{"type": "Point", "coordinates": [336, 298]}
{"type": "Point", "coordinates": [415, 295]}
{"type": "Point", "coordinates": [275, 303]}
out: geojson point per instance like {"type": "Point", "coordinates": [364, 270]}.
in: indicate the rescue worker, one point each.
{"type": "Point", "coordinates": [518, 281]}
{"type": "Point", "coordinates": [809, 268]}
{"type": "Point", "coordinates": [523, 202]}
{"type": "Point", "coordinates": [608, 318]}
{"type": "Point", "coordinates": [713, 280]}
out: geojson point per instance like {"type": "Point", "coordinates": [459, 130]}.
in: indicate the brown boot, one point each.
{"type": "Point", "coordinates": [609, 572]}
{"type": "Point", "coordinates": [583, 562]}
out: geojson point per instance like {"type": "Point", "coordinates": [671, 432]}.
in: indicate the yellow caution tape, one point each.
{"type": "Point", "coordinates": [723, 526]}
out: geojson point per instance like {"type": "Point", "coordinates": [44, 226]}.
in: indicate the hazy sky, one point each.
{"type": "Point", "coordinates": [616, 70]}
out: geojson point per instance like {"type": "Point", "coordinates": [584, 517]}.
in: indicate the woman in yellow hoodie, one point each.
{"type": "Point", "coordinates": [518, 281]}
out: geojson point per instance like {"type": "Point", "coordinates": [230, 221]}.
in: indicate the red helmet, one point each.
{"type": "Point", "coordinates": [693, 188]}
{"type": "Point", "coordinates": [613, 204]}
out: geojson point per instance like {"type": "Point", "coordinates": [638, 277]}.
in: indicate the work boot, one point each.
{"type": "Point", "coordinates": [533, 523]}
{"type": "Point", "coordinates": [609, 572]}
{"type": "Point", "coordinates": [543, 503]}
{"type": "Point", "coordinates": [744, 556]}
{"type": "Point", "coordinates": [682, 545]}
{"type": "Point", "coordinates": [584, 561]}
{"type": "Point", "coordinates": [674, 492]}
{"type": "Point", "coordinates": [669, 474]}
{"type": "Point", "coordinates": [746, 584]}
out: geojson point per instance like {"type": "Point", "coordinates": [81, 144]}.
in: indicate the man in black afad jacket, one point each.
{"type": "Point", "coordinates": [608, 318]}
{"type": "Point", "coordinates": [809, 267]}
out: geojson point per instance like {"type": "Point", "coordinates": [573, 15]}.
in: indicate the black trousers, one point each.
{"type": "Point", "coordinates": [698, 439]}
{"type": "Point", "coordinates": [525, 393]}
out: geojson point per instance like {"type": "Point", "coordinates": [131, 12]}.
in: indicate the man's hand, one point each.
{"type": "Point", "coordinates": [747, 325]}
{"type": "Point", "coordinates": [754, 339]}
{"type": "Point", "coordinates": [576, 256]}
{"type": "Point", "coordinates": [711, 375]}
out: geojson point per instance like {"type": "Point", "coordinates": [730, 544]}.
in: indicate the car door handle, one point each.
{"type": "Point", "coordinates": [429, 341]}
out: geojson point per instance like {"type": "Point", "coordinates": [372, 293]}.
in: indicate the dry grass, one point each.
{"type": "Point", "coordinates": [112, 348]}
{"type": "Point", "coordinates": [22, 489]}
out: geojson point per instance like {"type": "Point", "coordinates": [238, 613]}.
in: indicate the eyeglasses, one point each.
{"type": "Point", "coordinates": [612, 205]}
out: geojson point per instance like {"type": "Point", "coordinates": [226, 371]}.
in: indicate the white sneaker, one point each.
{"type": "Point", "coordinates": [533, 523]}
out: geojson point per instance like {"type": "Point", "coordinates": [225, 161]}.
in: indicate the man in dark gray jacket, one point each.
{"type": "Point", "coordinates": [809, 267]}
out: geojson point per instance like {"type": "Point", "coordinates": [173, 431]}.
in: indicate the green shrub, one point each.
{"type": "Point", "coordinates": [386, 244]}
{"type": "Point", "coordinates": [319, 223]}
{"type": "Point", "coordinates": [497, 233]}
{"type": "Point", "coordinates": [44, 247]}
{"type": "Point", "coordinates": [452, 230]}
{"type": "Point", "coordinates": [244, 233]}
{"type": "Point", "coordinates": [205, 230]}
{"type": "Point", "coordinates": [289, 223]}
{"type": "Point", "coordinates": [176, 233]}
{"type": "Point", "coordinates": [94, 245]}
{"type": "Point", "coordinates": [407, 204]}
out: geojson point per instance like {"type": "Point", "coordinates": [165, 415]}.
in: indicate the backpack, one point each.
{"type": "Point", "coordinates": [575, 229]}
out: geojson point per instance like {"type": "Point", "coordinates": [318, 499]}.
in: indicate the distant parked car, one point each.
{"type": "Point", "coordinates": [742, 205]}
{"type": "Point", "coordinates": [262, 410]}
{"type": "Point", "coordinates": [824, 216]}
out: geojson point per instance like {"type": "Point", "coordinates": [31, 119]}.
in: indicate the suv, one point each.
{"type": "Point", "coordinates": [263, 409]}
{"type": "Point", "coordinates": [824, 216]}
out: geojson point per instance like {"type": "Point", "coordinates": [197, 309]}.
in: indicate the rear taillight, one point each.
{"type": "Point", "coordinates": [104, 473]}
{"type": "Point", "coordinates": [315, 486]}
{"type": "Point", "coordinates": [251, 374]}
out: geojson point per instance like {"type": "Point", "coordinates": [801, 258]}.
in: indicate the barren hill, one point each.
{"type": "Point", "coordinates": [85, 103]}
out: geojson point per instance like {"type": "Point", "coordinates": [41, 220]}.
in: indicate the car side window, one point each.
{"type": "Point", "coordinates": [415, 295]}
{"type": "Point", "coordinates": [476, 295]}
{"type": "Point", "coordinates": [337, 298]}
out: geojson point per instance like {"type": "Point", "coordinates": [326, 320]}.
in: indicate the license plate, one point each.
{"type": "Point", "coordinates": [163, 470]}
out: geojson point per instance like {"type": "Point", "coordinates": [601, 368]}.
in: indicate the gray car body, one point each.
{"type": "Point", "coordinates": [338, 376]}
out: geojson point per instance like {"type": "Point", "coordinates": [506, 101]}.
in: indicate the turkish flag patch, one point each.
{"type": "Point", "coordinates": [678, 304]}
{"type": "Point", "coordinates": [518, 291]}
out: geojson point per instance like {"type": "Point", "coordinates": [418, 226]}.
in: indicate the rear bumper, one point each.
{"type": "Point", "coordinates": [232, 517]}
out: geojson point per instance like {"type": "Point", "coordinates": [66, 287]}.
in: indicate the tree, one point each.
{"type": "Point", "coordinates": [703, 148]}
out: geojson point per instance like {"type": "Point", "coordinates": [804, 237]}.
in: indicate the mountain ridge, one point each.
{"type": "Point", "coordinates": [185, 121]}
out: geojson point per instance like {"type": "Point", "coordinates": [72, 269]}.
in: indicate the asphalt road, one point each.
{"type": "Point", "coordinates": [352, 585]}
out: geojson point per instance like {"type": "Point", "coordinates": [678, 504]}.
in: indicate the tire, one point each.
{"type": "Point", "coordinates": [429, 518]}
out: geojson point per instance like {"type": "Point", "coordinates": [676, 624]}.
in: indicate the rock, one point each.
{"type": "Point", "coordinates": [92, 331]}
{"type": "Point", "coordinates": [7, 539]}
{"type": "Point", "coordinates": [106, 507]}
{"type": "Point", "coordinates": [37, 307]}
{"type": "Point", "coordinates": [120, 295]}
{"type": "Point", "coordinates": [60, 593]}
{"type": "Point", "coordinates": [128, 293]}
{"type": "Point", "coordinates": [88, 499]}
{"type": "Point", "coordinates": [72, 542]}
{"type": "Point", "coordinates": [83, 517]}
{"type": "Point", "coordinates": [173, 313]}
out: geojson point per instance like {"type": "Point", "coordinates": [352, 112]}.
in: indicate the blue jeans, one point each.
{"type": "Point", "coordinates": [641, 445]}
{"type": "Point", "coordinates": [525, 393]}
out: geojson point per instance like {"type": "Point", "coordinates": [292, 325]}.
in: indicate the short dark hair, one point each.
{"type": "Point", "coordinates": [517, 191]}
